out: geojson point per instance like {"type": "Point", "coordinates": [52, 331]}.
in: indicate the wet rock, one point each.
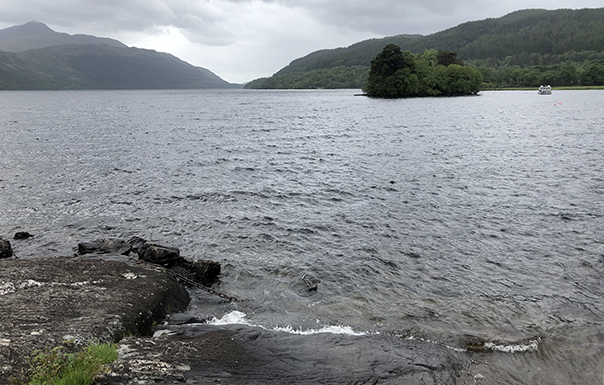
{"type": "Point", "coordinates": [22, 235]}
{"type": "Point", "coordinates": [136, 243]}
{"type": "Point", "coordinates": [6, 251]}
{"type": "Point", "coordinates": [205, 272]}
{"type": "Point", "coordinates": [159, 254]}
{"type": "Point", "coordinates": [310, 282]}
{"type": "Point", "coordinates": [306, 285]}
{"type": "Point", "coordinates": [47, 301]}
{"type": "Point", "coordinates": [105, 246]}
{"type": "Point", "coordinates": [184, 318]}
{"type": "Point", "coordinates": [238, 354]}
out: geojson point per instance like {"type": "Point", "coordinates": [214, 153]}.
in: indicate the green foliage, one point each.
{"type": "Point", "coordinates": [331, 78]}
{"type": "Point", "coordinates": [447, 58]}
{"type": "Point", "coordinates": [397, 74]}
{"type": "Point", "coordinates": [58, 367]}
{"type": "Point", "coordinates": [557, 75]}
{"type": "Point", "coordinates": [534, 40]}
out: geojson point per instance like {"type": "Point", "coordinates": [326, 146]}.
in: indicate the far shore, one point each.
{"type": "Point", "coordinates": [553, 88]}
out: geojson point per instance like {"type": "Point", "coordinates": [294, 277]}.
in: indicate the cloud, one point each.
{"type": "Point", "coordinates": [243, 39]}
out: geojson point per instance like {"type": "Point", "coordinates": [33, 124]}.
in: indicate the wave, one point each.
{"type": "Point", "coordinates": [529, 346]}
{"type": "Point", "coordinates": [239, 318]}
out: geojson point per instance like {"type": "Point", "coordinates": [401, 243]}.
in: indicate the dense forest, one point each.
{"type": "Point", "coordinates": [522, 49]}
{"type": "Point", "coordinates": [397, 74]}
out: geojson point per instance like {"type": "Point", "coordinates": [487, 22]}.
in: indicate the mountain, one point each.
{"type": "Point", "coordinates": [33, 56]}
{"type": "Point", "coordinates": [525, 37]}
{"type": "Point", "coordinates": [35, 35]}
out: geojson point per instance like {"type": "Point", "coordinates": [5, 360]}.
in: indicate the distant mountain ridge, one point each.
{"type": "Point", "coordinates": [36, 35]}
{"type": "Point", "coordinates": [549, 36]}
{"type": "Point", "coordinates": [33, 56]}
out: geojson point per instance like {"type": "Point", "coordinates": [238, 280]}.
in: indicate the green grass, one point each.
{"type": "Point", "coordinates": [56, 367]}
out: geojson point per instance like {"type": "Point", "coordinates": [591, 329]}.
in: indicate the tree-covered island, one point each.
{"type": "Point", "coordinates": [397, 74]}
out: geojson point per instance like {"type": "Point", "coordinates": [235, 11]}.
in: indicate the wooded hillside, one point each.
{"type": "Point", "coordinates": [523, 48]}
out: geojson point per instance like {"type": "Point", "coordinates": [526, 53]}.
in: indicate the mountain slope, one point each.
{"type": "Point", "coordinates": [87, 62]}
{"type": "Point", "coordinates": [550, 36]}
{"type": "Point", "coordinates": [36, 35]}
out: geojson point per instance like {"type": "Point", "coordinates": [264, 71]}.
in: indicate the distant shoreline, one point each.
{"type": "Point", "coordinates": [553, 88]}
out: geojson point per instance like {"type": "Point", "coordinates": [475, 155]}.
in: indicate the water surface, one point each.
{"type": "Point", "coordinates": [445, 219]}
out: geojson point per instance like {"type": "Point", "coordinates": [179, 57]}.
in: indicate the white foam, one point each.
{"type": "Point", "coordinates": [433, 342]}
{"type": "Point", "coordinates": [339, 329]}
{"type": "Point", "coordinates": [10, 287]}
{"type": "Point", "coordinates": [239, 318]}
{"type": "Point", "coordinates": [531, 346]}
{"type": "Point", "coordinates": [232, 318]}
{"type": "Point", "coordinates": [7, 288]}
{"type": "Point", "coordinates": [29, 283]}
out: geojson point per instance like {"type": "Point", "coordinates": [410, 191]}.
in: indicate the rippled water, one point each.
{"type": "Point", "coordinates": [453, 220]}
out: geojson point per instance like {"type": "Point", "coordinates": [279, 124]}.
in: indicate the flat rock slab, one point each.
{"type": "Point", "coordinates": [47, 301]}
{"type": "Point", "coordinates": [244, 355]}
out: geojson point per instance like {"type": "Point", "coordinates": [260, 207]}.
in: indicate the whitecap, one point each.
{"type": "Point", "coordinates": [530, 346]}
{"type": "Point", "coordinates": [239, 318]}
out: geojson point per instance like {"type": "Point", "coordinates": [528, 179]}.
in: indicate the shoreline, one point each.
{"type": "Point", "coordinates": [73, 301]}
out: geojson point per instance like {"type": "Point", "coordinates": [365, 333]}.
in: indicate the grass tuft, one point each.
{"type": "Point", "coordinates": [56, 367]}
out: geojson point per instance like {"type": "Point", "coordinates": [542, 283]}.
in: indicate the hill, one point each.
{"type": "Point", "coordinates": [62, 61]}
{"type": "Point", "coordinates": [533, 37]}
{"type": "Point", "coordinates": [35, 35]}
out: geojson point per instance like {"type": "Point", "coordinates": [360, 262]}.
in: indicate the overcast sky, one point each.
{"type": "Point", "coordinates": [241, 40]}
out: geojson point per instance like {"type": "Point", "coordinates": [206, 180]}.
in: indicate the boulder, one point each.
{"type": "Point", "coordinates": [137, 243]}
{"type": "Point", "coordinates": [159, 254]}
{"type": "Point", "coordinates": [22, 235]}
{"type": "Point", "coordinates": [6, 251]}
{"type": "Point", "coordinates": [205, 272]}
{"type": "Point", "coordinates": [105, 246]}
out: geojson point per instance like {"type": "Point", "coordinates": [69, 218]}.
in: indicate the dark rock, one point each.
{"type": "Point", "coordinates": [105, 246]}
{"type": "Point", "coordinates": [6, 251]}
{"type": "Point", "coordinates": [204, 272]}
{"type": "Point", "coordinates": [22, 235]}
{"type": "Point", "coordinates": [136, 243]}
{"type": "Point", "coordinates": [310, 282]}
{"type": "Point", "coordinates": [238, 354]}
{"type": "Point", "coordinates": [306, 285]}
{"type": "Point", "coordinates": [163, 255]}
{"type": "Point", "coordinates": [46, 301]}
{"type": "Point", "coordinates": [183, 319]}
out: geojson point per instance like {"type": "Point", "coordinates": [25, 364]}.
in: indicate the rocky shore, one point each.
{"type": "Point", "coordinates": [103, 294]}
{"type": "Point", "coordinates": [52, 301]}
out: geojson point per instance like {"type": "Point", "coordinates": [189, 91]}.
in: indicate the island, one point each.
{"type": "Point", "coordinates": [397, 74]}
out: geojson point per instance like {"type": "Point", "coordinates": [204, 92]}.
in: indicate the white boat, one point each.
{"type": "Point", "coordinates": [545, 90]}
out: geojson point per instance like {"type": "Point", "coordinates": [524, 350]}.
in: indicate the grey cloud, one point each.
{"type": "Point", "coordinates": [381, 17]}
{"type": "Point", "coordinates": [199, 21]}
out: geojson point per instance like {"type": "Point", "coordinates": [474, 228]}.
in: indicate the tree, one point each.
{"type": "Point", "coordinates": [447, 58]}
{"type": "Point", "coordinates": [397, 74]}
{"type": "Point", "coordinates": [386, 72]}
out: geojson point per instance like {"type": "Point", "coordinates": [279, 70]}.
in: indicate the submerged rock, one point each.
{"type": "Point", "coordinates": [6, 251]}
{"type": "Point", "coordinates": [47, 301]}
{"type": "Point", "coordinates": [306, 285]}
